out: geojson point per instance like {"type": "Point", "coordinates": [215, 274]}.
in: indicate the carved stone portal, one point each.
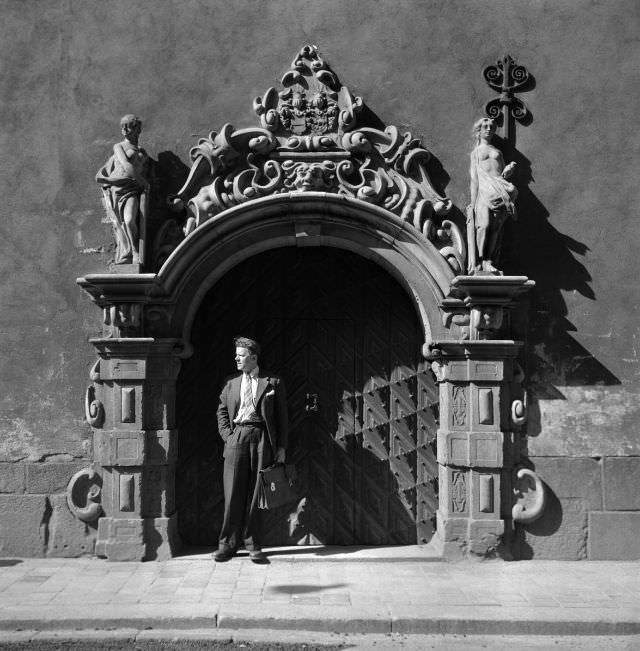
{"type": "Point", "coordinates": [311, 139]}
{"type": "Point", "coordinates": [312, 174]}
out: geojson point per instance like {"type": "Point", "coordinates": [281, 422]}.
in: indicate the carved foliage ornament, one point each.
{"type": "Point", "coordinates": [310, 139]}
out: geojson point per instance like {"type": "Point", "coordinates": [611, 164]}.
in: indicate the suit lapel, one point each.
{"type": "Point", "coordinates": [235, 394]}
{"type": "Point", "coordinates": [263, 383]}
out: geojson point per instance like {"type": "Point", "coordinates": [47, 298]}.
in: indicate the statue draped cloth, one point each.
{"type": "Point", "coordinates": [495, 192]}
{"type": "Point", "coordinates": [494, 202]}
{"type": "Point", "coordinates": [117, 188]}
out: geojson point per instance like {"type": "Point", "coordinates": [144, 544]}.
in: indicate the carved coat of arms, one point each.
{"type": "Point", "coordinates": [302, 115]}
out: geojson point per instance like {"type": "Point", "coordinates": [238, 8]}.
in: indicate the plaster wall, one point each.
{"type": "Point", "coordinates": [72, 69]}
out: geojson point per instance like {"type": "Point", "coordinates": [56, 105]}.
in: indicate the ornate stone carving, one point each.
{"type": "Point", "coordinates": [459, 405]}
{"type": "Point", "coordinates": [519, 407]}
{"type": "Point", "coordinates": [458, 492]}
{"type": "Point", "coordinates": [93, 408]}
{"type": "Point", "coordinates": [83, 494]}
{"type": "Point", "coordinates": [492, 200]}
{"type": "Point", "coordinates": [486, 321]}
{"type": "Point", "coordinates": [530, 496]}
{"type": "Point", "coordinates": [310, 139]}
{"type": "Point", "coordinates": [309, 176]}
{"type": "Point", "coordinates": [122, 320]}
{"type": "Point", "coordinates": [125, 190]}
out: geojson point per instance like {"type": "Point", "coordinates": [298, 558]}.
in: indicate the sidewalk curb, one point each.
{"type": "Point", "coordinates": [377, 623]}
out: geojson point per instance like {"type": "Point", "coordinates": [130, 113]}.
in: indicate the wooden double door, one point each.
{"type": "Point", "coordinates": [362, 405]}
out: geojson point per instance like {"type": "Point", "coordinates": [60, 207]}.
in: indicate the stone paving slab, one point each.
{"type": "Point", "coordinates": [359, 596]}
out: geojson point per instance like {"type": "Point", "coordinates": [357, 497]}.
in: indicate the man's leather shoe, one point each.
{"type": "Point", "coordinates": [257, 556]}
{"type": "Point", "coordinates": [223, 554]}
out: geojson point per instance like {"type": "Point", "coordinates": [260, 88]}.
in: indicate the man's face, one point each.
{"type": "Point", "coordinates": [245, 361]}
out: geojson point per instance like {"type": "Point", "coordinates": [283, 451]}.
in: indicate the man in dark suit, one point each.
{"type": "Point", "coordinates": [252, 421]}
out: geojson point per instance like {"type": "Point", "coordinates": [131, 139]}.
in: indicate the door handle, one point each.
{"type": "Point", "coordinates": [311, 402]}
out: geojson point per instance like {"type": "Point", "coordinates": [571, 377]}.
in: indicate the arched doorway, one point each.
{"type": "Point", "coordinates": [157, 326]}
{"type": "Point", "coordinates": [362, 405]}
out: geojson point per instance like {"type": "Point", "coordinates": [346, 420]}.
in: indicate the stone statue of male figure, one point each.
{"type": "Point", "coordinates": [126, 190]}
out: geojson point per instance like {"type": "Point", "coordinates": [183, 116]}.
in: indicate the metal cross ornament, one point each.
{"type": "Point", "coordinates": [506, 77]}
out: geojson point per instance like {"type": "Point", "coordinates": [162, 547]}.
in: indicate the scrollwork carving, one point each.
{"type": "Point", "coordinates": [83, 494]}
{"type": "Point", "coordinates": [309, 140]}
{"type": "Point", "coordinates": [529, 504]}
{"type": "Point", "coordinates": [519, 411]}
{"type": "Point", "coordinates": [93, 408]}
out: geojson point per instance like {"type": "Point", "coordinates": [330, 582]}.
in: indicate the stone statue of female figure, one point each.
{"type": "Point", "coordinates": [492, 199]}
{"type": "Point", "coordinates": [126, 190]}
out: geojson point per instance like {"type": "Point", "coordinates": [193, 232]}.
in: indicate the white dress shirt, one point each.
{"type": "Point", "coordinates": [247, 411]}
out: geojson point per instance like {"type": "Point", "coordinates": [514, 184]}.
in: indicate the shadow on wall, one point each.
{"type": "Point", "coordinates": [533, 247]}
{"type": "Point", "coordinates": [547, 525]}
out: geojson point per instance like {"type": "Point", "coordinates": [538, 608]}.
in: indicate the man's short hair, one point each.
{"type": "Point", "coordinates": [250, 344]}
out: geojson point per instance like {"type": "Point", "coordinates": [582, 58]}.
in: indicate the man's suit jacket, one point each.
{"type": "Point", "coordinates": [271, 405]}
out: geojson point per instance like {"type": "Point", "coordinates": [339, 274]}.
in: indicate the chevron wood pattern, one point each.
{"type": "Point", "coordinates": [335, 325]}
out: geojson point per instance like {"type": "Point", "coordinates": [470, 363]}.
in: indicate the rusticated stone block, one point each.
{"type": "Point", "coordinates": [573, 478]}
{"type": "Point", "coordinates": [485, 536]}
{"type": "Point", "coordinates": [573, 488]}
{"type": "Point", "coordinates": [24, 524]}
{"type": "Point", "coordinates": [614, 536]}
{"type": "Point", "coordinates": [68, 536]}
{"type": "Point", "coordinates": [47, 478]}
{"type": "Point", "coordinates": [473, 449]}
{"type": "Point", "coordinates": [622, 483]}
{"type": "Point", "coordinates": [12, 478]}
{"type": "Point", "coordinates": [121, 539]}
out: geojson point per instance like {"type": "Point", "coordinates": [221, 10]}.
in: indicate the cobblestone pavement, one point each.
{"type": "Point", "coordinates": [533, 597]}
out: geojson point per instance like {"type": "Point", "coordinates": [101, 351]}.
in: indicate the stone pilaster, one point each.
{"type": "Point", "coordinates": [135, 443]}
{"type": "Point", "coordinates": [476, 446]}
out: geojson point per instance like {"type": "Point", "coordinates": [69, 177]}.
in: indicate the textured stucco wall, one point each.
{"type": "Point", "coordinates": [71, 69]}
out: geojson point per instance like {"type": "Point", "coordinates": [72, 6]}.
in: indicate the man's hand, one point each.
{"type": "Point", "coordinates": [280, 455]}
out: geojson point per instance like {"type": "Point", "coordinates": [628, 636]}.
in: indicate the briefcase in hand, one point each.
{"type": "Point", "coordinates": [278, 485]}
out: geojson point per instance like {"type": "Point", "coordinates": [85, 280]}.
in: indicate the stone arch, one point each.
{"type": "Point", "coordinates": [326, 221]}
{"type": "Point", "coordinates": [311, 219]}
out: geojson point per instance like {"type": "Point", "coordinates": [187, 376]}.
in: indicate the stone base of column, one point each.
{"type": "Point", "coordinates": [458, 538]}
{"type": "Point", "coordinates": [138, 539]}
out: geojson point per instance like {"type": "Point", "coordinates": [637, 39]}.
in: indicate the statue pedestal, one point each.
{"type": "Point", "coordinates": [125, 268]}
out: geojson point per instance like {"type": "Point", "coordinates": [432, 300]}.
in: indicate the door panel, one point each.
{"type": "Point", "coordinates": [338, 328]}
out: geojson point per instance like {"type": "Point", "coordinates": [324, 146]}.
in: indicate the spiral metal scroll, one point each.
{"type": "Point", "coordinates": [506, 77]}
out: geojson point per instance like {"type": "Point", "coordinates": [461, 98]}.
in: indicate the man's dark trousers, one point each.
{"type": "Point", "coordinates": [246, 452]}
